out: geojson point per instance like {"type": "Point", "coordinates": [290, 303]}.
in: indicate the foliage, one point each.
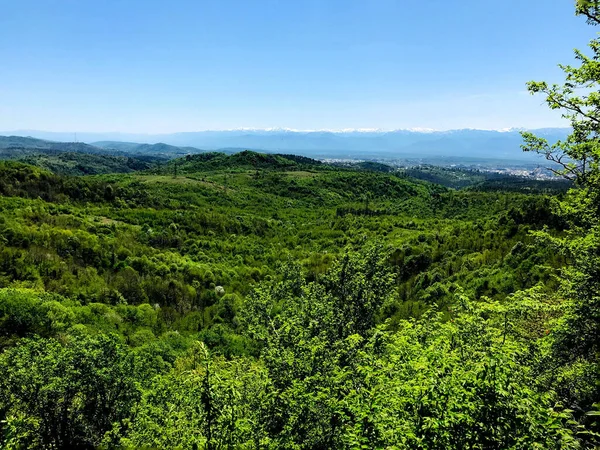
{"type": "Point", "coordinates": [217, 346]}
{"type": "Point", "coordinates": [70, 396]}
{"type": "Point", "coordinates": [575, 350]}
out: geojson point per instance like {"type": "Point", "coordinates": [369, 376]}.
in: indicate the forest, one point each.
{"type": "Point", "coordinates": [273, 301]}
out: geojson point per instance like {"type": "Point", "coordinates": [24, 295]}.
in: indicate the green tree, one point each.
{"type": "Point", "coordinates": [55, 395]}
{"type": "Point", "coordinates": [576, 336]}
{"type": "Point", "coordinates": [311, 334]}
{"type": "Point", "coordinates": [204, 402]}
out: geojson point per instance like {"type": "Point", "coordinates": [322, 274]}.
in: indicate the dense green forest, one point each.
{"type": "Point", "coordinates": [273, 301]}
{"type": "Point", "coordinates": [77, 158]}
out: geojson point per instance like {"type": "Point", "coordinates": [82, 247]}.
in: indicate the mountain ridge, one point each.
{"type": "Point", "coordinates": [491, 144]}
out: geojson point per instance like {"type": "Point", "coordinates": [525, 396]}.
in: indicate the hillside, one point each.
{"type": "Point", "coordinates": [245, 159]}
{"type": "Point", "coordinates": [73, 158]}
{"type": "Point", "coordinates": [14, 144]}
{"type": "Point", "coordinates": [256, 266]}
{"type": "Point", "coordinates": [147, 149]}
{"type": "Point", "coordinates": [85, 164]}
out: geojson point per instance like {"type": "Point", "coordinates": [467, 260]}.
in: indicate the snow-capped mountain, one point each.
{"type": "Point", "coordinates": [353, 143]}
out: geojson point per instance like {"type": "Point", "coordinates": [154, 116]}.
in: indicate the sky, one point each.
{"type": "Point", "coordinates": [147, 66]}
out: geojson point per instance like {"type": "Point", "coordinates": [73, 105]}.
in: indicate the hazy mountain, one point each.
{"type": "Point", "coordinates": [15, 144]}
{"type": "Point", "coordinates": [335, 144]}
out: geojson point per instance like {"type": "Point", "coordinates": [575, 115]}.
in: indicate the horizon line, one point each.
{"type": "Point", "coordinates": [291, 130]}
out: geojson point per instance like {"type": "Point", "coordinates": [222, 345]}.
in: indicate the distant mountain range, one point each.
{"type": "Point", "coordinates": [466, 143]}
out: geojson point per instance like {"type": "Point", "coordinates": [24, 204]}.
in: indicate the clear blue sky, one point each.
{"type": "Point", "coordinates": [163, 66]}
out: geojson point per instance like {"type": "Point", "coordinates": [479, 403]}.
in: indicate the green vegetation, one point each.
{"type": "Point", "coordinates": [73, 158]}
{"type": "Point", "coordinates": [146, 149]}
{"type": "Point", "coordinates": [85, 164]}
{"type": "Point", "coordinates": [264, 300]}
{"type": "Point", "coordinates": [271, 301]}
